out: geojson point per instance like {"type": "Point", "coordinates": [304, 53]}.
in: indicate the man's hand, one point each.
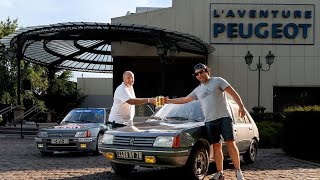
{"type": "Point", "coordinates": [166, 100]}
{"type": "Point", "coordinates": [242, 112]}
{"type": "Point", "coordinates": [152, 100]}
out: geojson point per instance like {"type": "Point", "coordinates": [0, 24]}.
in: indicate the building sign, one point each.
{"type": "Point", "coordinates": [234, 23]}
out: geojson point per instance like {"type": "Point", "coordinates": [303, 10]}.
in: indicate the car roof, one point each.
{"type": "Point", "coordinates": [89, 108]}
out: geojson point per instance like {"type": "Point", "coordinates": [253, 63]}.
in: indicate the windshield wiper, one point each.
{"type": "Point", "coordinates": [177, 118]}
{"type": "Point", "coordinates": [156, 117]}
{"type": "Point", "coordinates": [182, 118]}
{"type": "Point", "coordinates": [68, 121]}
{"type": "Point", "coordinates": [85, 121]}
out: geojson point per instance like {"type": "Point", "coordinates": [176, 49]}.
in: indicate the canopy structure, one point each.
{"type": "Point", "coordinates": [86, 46]}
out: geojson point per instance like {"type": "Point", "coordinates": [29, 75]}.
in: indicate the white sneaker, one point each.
{"type": "Point", "coordinates": [239, 175]}
{"type": "Point", "coordinates": [217, 176]}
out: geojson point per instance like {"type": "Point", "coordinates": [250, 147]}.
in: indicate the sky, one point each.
{"type": "Point", "coordinates": [44, 12]}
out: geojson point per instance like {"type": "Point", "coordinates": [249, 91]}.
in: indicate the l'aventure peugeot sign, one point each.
{"type": "Point", "coordinates": [235, 23]}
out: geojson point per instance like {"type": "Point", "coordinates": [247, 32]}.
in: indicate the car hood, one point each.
{"type": "Point", "coordinates": [160, 126]}
{"type": "Point", "coordinates": [73, 126]}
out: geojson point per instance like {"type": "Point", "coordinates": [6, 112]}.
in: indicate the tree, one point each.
{"type": "Point", "coordinates": [64, 94]}
{"type": "Point", "coordinates": [7, 66]}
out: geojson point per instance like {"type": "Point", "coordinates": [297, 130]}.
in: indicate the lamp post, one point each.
{"type": "Point", "coordinates": [259, 67]}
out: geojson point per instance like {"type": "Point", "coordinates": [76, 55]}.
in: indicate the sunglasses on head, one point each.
{"type": "Point", "coordinates": [200, 72]}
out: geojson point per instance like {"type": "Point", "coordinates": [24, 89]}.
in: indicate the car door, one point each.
{"type": "Point", "coordinates": [243, 130]}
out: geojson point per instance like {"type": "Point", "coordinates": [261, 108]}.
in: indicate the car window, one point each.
{"type": "Point", "coordinates": [236, 115]}
{"type": "Point", "coordinates": [85, 116]}
{"type": "Point", "coordinates": [188, 111]}
{"type": "Point", "coordinates": [246, 119]}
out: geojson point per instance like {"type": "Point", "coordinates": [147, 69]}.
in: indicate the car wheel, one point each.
{"type": "Point", "coordinates": [250, 155]}
{"type": "Point", "coordinates": [44, 153]}
{"type": "Point", "coordinates": [99, 141]}
{"type": "Point", "coordinates": [122, 169]}
{"type": "Point", "coordinates": [198, 163]}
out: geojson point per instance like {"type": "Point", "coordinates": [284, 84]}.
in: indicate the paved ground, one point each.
{"type": "Point", "coordinates": [19, 159]}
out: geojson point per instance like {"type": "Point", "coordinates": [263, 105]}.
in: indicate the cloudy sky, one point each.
{"type": "Point", "coordinates": [42, 12]}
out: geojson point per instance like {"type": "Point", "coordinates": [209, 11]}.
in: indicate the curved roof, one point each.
{"type": "Point", "coordinates": [86, 46]}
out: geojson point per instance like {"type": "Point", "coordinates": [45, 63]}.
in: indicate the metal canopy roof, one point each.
{"type": "Point", "coordinates": [86, 46]}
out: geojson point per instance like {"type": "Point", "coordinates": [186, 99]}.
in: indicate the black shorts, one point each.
{"type": "Point", "coordinates": [219, 127]}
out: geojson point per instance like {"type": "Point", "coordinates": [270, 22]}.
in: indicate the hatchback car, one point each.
{"type": "Point", "coordinates": [80, 131]}
{"type": "Point", "coordinates": [175, 136]}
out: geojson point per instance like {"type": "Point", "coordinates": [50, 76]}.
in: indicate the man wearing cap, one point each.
{"type": "Point", "coordinates": [211, 94]}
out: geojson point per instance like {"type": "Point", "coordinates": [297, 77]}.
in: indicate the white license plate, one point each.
{"type": "Point", "coordinates": [129, 155]}
{"type": "Point", "coordinates": [59, 141]}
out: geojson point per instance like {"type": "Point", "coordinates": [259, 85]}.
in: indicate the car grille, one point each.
{"type": "Point", "coordinates": [61, 134]}
{"type": "Point", "coordinates": [62, 147]}
{"type": "Point", "coordinates": [133, 141]}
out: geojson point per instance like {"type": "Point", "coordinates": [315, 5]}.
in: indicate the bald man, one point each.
{"type": "Point", "coordinates": [124, 101]}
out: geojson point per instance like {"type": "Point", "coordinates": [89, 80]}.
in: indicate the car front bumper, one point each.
{"type": "Point", "coordinates": [69, 144]}
{"type": "Point", "coordinates": [163, 157]}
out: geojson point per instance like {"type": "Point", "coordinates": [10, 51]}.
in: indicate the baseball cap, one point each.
{"type": "Point", "coordinates": [199, 66]}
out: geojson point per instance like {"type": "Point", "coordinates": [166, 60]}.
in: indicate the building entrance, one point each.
{"type": "Point", "coordinates": [178, 79]}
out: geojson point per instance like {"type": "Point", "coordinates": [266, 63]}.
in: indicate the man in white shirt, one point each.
{"type": "Point", "coordinates": [124, 101]}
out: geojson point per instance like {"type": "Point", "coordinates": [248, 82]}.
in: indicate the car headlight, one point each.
{"type": "Point", "coordinates": [42, 134]}
{"type": "Point", "coordinates": [107, 139]}
{"type": "Point", "coordinates": [83, 134]}
{"type": "Point", "coordinates": [167, 141]}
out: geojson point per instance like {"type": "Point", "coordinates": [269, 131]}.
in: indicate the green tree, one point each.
{"type": "Point", "coordinates": [64, 94]}
{"type": "Point", "coordinates": [8, 76]}
{"type": "Point", "coordinates": [39, 85]}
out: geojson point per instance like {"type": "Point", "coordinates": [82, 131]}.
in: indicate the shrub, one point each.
{"type": "Point", "coordinates": [269, 116]}
{"type": "Point", "coordinates": [270, 134]}
{"type": "Point", "coordinates": [302, 109]}
{"type": "Point", "coordinates": [301, 134]}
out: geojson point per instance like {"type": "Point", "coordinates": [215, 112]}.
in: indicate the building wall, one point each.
{"type": "Point", "coordinates": [297, 59]}
{"type": "Point", "coordinates": [98, 90]}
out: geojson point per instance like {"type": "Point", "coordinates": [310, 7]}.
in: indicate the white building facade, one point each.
{"type": "Point", "coordinates": [98, 92]}
{"type": "Point", "coordinates": [287, 28]}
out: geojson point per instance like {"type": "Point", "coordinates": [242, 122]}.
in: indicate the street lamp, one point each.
{"type": "Point", "coordinates": [269, 60]}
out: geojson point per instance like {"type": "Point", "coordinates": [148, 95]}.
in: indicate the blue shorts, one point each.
{"type": "Point", "coordinates": [219, 127]}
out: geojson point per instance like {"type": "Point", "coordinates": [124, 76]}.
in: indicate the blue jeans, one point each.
{"type": "Point", "coordinates": [219, 127]}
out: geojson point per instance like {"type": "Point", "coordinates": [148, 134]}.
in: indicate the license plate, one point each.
{"type": "Point", "coordinates": [59, 141]}
{"type": "Point", "coordinates": [129, 155]}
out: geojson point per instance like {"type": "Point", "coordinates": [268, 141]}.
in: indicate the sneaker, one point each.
{"type": "Point", "coordinates": [218, 175]}
{"type": "Point", "coordinates": [239, 175]}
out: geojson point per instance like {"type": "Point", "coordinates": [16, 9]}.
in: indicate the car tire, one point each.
{"type": "Point", "coordinates": [97, 152]}
{"type": "Point", "coordinates": [44, 153]}
{"type": "Point", "coordinates": [250, 155]}
{"type": "Point", "coordinates": [198, 163]}
{"type": "Point", "coordinates": [122, 169]}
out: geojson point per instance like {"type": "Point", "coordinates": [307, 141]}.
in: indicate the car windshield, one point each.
{"type": "Point", "coordinates": [84, 116]}
{"type": "Point", "coordinates": [188, 111]}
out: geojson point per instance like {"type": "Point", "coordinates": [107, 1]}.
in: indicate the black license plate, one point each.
{"type": "Point", "coordinates": [129, 155]}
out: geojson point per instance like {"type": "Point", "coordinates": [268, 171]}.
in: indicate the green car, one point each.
{"type": "Point", "coordinates": [175, 137]}
{"type": "Point", "coordinates": [80, 131]}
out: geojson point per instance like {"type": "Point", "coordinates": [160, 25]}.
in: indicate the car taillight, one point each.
{"type": "Point", "coordinates": [176, 142]}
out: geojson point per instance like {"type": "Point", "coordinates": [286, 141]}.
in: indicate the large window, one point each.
{"type": "Point", "coordinates": [295, 96]}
